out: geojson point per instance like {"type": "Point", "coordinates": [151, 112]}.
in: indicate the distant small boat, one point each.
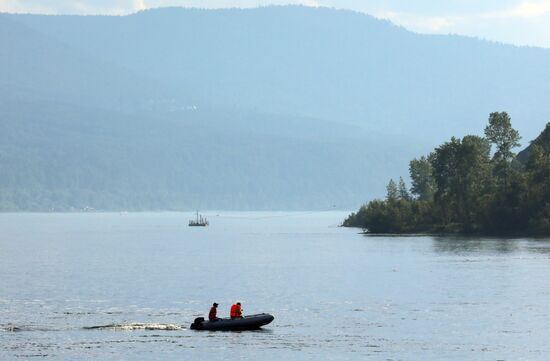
{"type": "Point", "coordinates": [252, 322]}
{"type": "Point", "coordinates": [200, 221]}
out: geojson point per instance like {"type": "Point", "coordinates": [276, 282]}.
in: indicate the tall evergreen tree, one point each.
{"type": "Point", "coordinates": [445, 170]}
{"type": "Point", "coordinates": [402, 190]}
{"type": "Point", "coordinates": [423, 183]}
{"type": "Point", "coordinates": [391, 191]}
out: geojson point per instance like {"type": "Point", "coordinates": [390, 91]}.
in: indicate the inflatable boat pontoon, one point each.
{"type": "Point", "coordinates": [252, 322]}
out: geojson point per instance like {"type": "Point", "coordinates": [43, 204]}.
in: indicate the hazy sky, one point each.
{"type": "Point", "coordinates": [522, 22]}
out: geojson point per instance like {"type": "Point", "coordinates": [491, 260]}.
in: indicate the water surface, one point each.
{"type": "Point", "coordinates": [335, 294]}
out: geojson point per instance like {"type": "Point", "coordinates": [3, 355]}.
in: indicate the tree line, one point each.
{"type": "Point", "coordinates": [474, 185]}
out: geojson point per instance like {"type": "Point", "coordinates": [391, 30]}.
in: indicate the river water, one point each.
{"type": "Point", "coordinates": [139, 279]}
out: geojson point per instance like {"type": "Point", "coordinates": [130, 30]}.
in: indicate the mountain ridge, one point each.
{"type": "Point", "coordinates": [320, 63]}
{"type": "Point", "coordinates": [296, 107]}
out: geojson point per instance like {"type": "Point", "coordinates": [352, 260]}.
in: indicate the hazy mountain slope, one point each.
{"type": "Point", "coordinates": [71, 158]}
{"type": "Point", "coordinates": [271, 108]}
{"type": "Point", "coordinates": [78, 131]}
{"type": "Point", "coordinates": [37, 66]}
{"type": "Point", "coordinates": [324, 63]}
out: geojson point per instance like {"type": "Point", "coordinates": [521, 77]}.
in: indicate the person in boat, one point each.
{"type": "Point", "coordinates": [213, 314]}
{"type": "Point", "coordinates": [236, 311]}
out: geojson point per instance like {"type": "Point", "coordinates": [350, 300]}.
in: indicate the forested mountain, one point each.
{"type": "Point", "coordinates": [323, 63]}
{"type": "Point", "coordinates": [36, 66]}
{"type": "Point", "coordinates": [270, 108]}
{"type": "Point", "coordinates": [66, 157]}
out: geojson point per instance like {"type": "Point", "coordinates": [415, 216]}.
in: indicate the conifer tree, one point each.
{"type": "Point", "coordinates": [392, 192]}
{"type": "Point", "coordinates": [402, 191]}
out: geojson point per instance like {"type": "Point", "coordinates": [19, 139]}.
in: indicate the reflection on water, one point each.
{"type": "Point", "coordinates": [463, 245]}
{"type": "Point", "coordinates": [98, 286]}
{"type": "Point", "coordinates": [470, 245]}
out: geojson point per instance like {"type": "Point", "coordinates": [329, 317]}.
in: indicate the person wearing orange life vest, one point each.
{"type": "Point", "coordinates": [236, 311]}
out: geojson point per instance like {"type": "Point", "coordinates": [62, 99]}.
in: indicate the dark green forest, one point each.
{"type": "Point", "coordinates": [473, 185]}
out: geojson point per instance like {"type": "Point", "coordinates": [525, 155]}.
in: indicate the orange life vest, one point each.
{"type": "Point", "coordinates": [235, 311]}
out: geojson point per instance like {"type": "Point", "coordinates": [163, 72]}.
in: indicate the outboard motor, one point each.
{"type": "Point", "coordinates": [197, 324]}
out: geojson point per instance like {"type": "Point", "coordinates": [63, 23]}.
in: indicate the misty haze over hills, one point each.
{"type": "Point", "coordinates": [269, 108]}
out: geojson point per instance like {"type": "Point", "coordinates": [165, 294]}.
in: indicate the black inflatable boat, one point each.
{"type": "Point", "coordinates": [252, 322]}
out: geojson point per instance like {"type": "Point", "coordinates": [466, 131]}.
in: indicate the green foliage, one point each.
{"type": "Point", "coordinates": [505, 138]}
{"type": "Point", "coordinates": [423, 183]}
{"type": "Point", "coordinates": [543, 140]}
{"type": "Point", "coordinates": [538, 192]}
{"type": "Point", "coordinates": [392, 193]}
{"type": "Point", "coordinates": [460, 188]}
{"type": "Point", "coordinates": [500, 132]}
{"type": "Point", "coordinates": [402, 191]}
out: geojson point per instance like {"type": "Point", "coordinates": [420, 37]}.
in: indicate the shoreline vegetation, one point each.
{"type": "Point", "coordinates": [470, 186]}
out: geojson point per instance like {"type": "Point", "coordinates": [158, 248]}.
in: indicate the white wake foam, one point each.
{"type": "Point", "coordinates": [10, 328]}
{"type": "Point", "coordinates": [138, 326]}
